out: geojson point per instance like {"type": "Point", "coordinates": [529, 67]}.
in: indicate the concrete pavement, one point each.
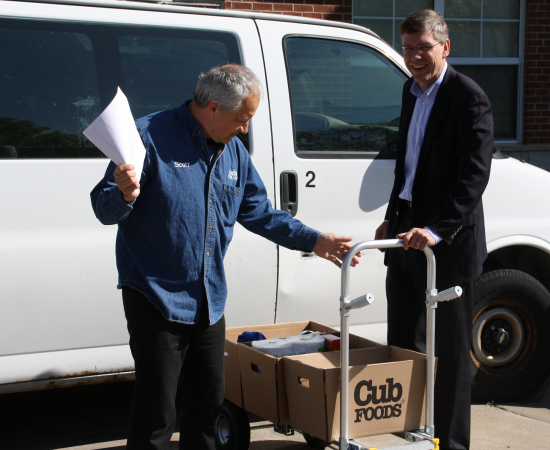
{"type": "Point", "coordinates": [94, 418]}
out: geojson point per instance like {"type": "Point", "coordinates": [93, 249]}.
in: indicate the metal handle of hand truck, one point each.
{"type": "Point", "coordinates": [359, 302]}
{"type": "Point", "coordinates": [432, 298]}
{"type": "Point", "coordinates": [445, 296]}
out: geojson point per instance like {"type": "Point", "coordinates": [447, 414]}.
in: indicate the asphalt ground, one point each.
{"type": "Point", "coordinates": [95, 417]}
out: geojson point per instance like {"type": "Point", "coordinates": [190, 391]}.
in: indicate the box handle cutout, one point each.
{"type": "Point", "coordinates": [303, 382]}
{"type": "Point", "coordinates": [256, 368]}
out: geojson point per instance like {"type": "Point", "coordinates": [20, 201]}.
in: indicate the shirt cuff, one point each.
{"type": "Point", "coordinates": [307, 240]}
{"type": "Point", "coordinates": [116, 200]}
{"type": "Point", "coordinates": [435, 236]}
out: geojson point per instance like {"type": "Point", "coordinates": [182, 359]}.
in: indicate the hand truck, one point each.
{"type": "Point", "coordinates": [421, 439]}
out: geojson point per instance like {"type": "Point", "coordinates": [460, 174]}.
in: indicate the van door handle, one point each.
{"type": "Point", "coordinates": [289, 192]}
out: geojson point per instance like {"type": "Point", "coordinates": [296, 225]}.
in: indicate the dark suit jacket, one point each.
{"type": "Point", "coordinates": [452, 173]}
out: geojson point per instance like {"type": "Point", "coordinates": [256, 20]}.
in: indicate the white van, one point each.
{"type": "Point", "coordinates": [323, 141]}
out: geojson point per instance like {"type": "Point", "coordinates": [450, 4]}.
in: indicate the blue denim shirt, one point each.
{"type": "Point", "coordinates": [172, 239]}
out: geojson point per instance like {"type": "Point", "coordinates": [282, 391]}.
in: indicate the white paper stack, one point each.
{"type": "Point", "coordinates": [114, 133]}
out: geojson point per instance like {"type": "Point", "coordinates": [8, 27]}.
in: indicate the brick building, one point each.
{"type": "Point", "coordinates": [339, 10]}
{"type": "Point", "coordinates": [503, 44]}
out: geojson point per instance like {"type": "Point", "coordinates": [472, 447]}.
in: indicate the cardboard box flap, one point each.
{"type": "Point", "coordinates": [359, 357]}
{"type": "Point", "coordinates": [276, 330]}
{"type": "Point", "coordinates": [402, 354]}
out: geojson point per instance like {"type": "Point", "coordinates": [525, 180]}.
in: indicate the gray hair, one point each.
{"type": "Point", "coordinates": [425, 20]}
{"type": "Point", "coordinates": [228, 86]}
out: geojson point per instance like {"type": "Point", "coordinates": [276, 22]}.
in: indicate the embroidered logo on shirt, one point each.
{"type": "Point", "coordinates": [233, 175]}
{"type": "Point", "coordinates": [178, 164]}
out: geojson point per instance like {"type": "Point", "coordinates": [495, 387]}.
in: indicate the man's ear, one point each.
{"type": "Point", "coordinates": [213, 108]}
{"type": "Point", "coordinates": [446, 48]}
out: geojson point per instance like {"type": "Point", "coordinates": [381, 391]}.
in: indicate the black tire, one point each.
{"type": "Point", "coordinates": [233, 428]}
{"type": "Point", "coordinates": [510, 336]}
{"type": "Point", "coordinates": [315, 442]}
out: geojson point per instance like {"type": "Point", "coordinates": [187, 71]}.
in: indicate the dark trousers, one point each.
{"type": "Point", "coordinates": [163, 352]}
{"type": "Point", "coordinates": [405, 289]}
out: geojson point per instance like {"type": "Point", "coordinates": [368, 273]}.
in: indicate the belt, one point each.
{"type": "Point", "coordinates": [406, 203]}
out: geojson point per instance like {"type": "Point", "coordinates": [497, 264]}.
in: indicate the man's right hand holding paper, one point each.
{"type": "Point", "coordinates": [125, 178]}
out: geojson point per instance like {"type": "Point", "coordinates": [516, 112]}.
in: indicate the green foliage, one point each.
{"type": "Point", "coordinates": [26, 134]}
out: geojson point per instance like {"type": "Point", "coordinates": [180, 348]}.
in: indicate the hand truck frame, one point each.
{"type": "Point", "coordinates": [421, 439]}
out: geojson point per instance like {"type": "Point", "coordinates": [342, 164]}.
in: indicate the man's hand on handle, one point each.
{"type": "Point", "coordinates": [334, 248]}
{"type": "Point", "coordinates": [417, 238]}
{"type": "Point", "coordinates": [125, 178]}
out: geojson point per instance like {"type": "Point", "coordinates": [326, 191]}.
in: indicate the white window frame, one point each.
{"type": "Point", "coordinates": [439, 6]}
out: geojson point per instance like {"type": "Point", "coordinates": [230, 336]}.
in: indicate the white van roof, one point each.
{"type": "Point", "coordinates": [176, 7]}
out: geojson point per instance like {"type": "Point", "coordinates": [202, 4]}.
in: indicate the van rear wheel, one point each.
{"type": "Point", "coordinates": [510, 336]}
{"type": "Point", "coordinates": [232, 428]}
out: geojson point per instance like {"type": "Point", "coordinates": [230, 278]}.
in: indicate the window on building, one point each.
{"type": "Point", "coordinates": [346, 98]}
{"type": "Point", "coordinates": [486, 45]}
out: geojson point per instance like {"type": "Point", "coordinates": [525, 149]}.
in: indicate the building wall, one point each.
{"type": "Point", "coordinates": [339, 10]}
{"type": "Point", "coordinates": [536, 106]}
{"type": "Point", "coordinates": [535, 148]}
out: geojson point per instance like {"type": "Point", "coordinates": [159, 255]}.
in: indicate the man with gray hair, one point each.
{"type": "Point", "coordinates": [174, 227]}
{"type": "Point", "coordinates": [443, 160]}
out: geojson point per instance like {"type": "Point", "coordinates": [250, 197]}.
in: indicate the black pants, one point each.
{"type": "Point", "coordinates": [163, 351]}
{"type": "Point", "coordinates": [405, 289]}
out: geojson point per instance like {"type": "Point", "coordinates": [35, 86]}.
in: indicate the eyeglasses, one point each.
{"type": "Point", "coordinates": [421, 49]}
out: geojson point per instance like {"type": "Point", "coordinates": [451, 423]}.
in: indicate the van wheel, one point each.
{"type": "Point", "coordinates": [315, 442]}
{"type": "Point", "coordinates": [232, 428]}
{"type": "Point", "coordinates": [510, 336]}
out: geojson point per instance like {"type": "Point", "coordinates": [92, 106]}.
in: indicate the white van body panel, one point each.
{"type": "Point", "coordinates": [62, 316]}
{"type": "Point", "coordinates": [516, 203]}
{"type": "Point", "coordinates": [61, 311]}
{"type": "Point", "coordinates": [350, 198]}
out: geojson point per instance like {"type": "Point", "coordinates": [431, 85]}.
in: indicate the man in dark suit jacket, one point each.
{"type": "Point", "coordinates": [444, 156]}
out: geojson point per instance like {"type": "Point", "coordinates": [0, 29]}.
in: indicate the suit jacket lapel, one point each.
{"type": "Point", "coordinates": [439, 111]}
{"type": "Point", "coordinates": [405, 122]}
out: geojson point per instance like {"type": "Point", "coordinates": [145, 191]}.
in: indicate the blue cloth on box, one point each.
{"type": "Point", "coordinates": [249, 336]}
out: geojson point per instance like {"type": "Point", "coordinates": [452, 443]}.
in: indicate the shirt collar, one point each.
{"type": "Point", "coordinates": [190, 123]}
{"type": "Point", "coordinates": [431, 92]}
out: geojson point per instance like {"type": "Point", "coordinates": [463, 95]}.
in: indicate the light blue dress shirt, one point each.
{"type": "Point", "coordinates": [415, 137]}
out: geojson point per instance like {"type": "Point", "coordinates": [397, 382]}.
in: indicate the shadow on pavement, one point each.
{"type": "Point", "coordinates": [61, 418]}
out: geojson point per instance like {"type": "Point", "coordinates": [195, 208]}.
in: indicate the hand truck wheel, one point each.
{"type": "Point", "coordinates": [232, 428]}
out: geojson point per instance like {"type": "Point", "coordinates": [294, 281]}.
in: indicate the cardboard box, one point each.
{"type": "Point", "coordinates": [262, 376]}
{"type": "Point", "coordinates": [386, 392]}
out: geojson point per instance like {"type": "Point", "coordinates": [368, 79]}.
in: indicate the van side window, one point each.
{"type": "Point", "coordinates": [346, 98]}
{"type": "Point", "coordinates": [48, 92]}
{"type": "Point", "coordinates": [162, 72]}
{"type": "Point", "coordinates": [57, 77]}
